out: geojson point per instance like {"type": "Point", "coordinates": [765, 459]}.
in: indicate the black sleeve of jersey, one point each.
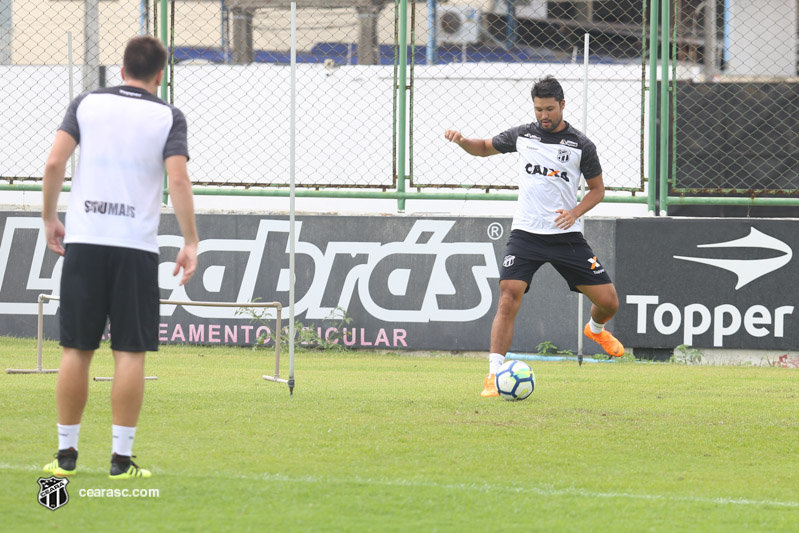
{"type": "Point", "coordinates": [70, 122]}
{"type": "Point", "coordinates": [589, 162]}
{"type": "Point", "coordinates": [176, 142]}
{"type": "Point", "coordinates": [505, 142]}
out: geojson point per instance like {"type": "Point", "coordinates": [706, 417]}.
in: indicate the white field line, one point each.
{"type": "Point", "coordinates": [465, 487]}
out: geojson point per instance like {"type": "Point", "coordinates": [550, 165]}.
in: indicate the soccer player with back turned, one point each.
{"type": "Point", "coordinates": [128, 137]}
{"type": "Point", "coordinates": [546, 227]}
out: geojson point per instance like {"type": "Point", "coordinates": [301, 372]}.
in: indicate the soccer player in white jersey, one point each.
{"type": "Point", "coordinates": [128, 138]}
{"type": "Point", "coordinates": [546, 227]}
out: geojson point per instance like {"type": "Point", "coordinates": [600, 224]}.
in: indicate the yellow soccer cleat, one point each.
{"type": "Point", "coordinates": [489, 387]}
{"type": "Point", "coordinates": [123, 468]}
{"type": "Point", "coordinates": [609, 343]}
{"type": "Point", "coordinates": [64, 463]}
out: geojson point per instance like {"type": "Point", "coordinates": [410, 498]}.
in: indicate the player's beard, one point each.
{"type": "Point", "coordinates": [552, 125]}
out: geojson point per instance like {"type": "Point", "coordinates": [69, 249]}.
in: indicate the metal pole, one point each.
{"type": "Point", "coordinates": [71, 96]}
{"type": "Point", "coordinates": [653, 107]}
{"type": "Point", "coordinates": [510, 24]}
{"type": "Point", "coordinates": [710, 39]}
{"type": "Point", "coordinates": [432, 32]}
{"type": "Point", "coordinates": [6, 32]}
{"type": "Point", "coordinates": [143, 17]}
{"type": "Point", "coordinates": [402, 82]}
{"type": "Point", "coordinates": [582, 195]}
{"type": "Point", "coordinates": [40, 334]}
{"type": "Point", "coordinates": [171, 56]}
{"type": "Point", "coordinates": [665, 24]}
{"type": "Point", "coordinates": [292, 176]}
{"type": "Point", "coordinates": [91, 47]}
{"type": "Point", "coordinates": [165, 42]}
{"type": "Point", "coordinates": [279, 323]}
{"type": "Point", "coordinates": [223, 30]}
{"type": "Point", "coordinates": [727, 30]}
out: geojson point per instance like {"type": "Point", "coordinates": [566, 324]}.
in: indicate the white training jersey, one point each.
{"type": "Point", "coordinates": [125, 134]}
{"type": "Point", "coordinates": [550, 165]}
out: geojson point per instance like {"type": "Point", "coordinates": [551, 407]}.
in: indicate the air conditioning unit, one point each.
{"type": "Point", "coordinates": [458, 24]}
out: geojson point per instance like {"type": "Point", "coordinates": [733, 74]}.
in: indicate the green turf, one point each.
{"type": "Point", "coordinates": [384, 442]}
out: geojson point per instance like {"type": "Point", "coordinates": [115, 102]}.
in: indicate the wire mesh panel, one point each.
{"type": "Point", "coordinates": [232, 80]}
{"type": "Point", "coordinates": [737, 118]}
{"type": "Point", "coordinates": [476, 62]}
{"type": "Point", "coordinates": [230, 77]}
{"type": "Point", "coordinates": [38, 41]}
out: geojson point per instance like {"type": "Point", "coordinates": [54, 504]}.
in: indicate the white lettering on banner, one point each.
{"type": "Point", "coordinates": [440, 282]}
{"type": "Point", "coordinates": [349, 336]}
{"type": "Point", "coordinates": [697, 319]}
{"type": "Point", "coordinates": [20, 253]}
{"type": "Point", "coordinates": [356, 281]}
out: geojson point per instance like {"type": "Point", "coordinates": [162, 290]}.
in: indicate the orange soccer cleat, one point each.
{"type": "Point", "coordinates": [609, 343]}
{"type": "Point", "coordinates": [489, 386]}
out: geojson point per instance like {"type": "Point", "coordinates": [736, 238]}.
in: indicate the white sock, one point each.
{"type": "Point", "coordinates": [495, 361]}
{"type": "Point", "coordinates": [596, 327]}
{"type": "Point", "coordinates": [122, 439]}
{"type": "Point", "coordinates": [68, 436]}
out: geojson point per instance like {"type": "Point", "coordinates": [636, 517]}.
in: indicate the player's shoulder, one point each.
{"type": "Point", "coordinates": [527, 131]}
{"type": "Point", "coordinates": [575, 138]}
{"type": "Point", "coordinates": [569, 136]}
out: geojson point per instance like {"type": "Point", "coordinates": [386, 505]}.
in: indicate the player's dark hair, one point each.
{"type": "Point", "coordinates": [144, 57]}
{"type": "Point", "coordinates": [547, 87]}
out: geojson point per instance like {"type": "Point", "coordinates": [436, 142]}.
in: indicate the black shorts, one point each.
{"type": "Point", "coordinates": [569, 253]}
{"type": "Point", "coordinates": [109, 282]}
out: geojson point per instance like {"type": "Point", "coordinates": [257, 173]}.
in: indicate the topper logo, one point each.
{"type": "Point", "coordinates": [747, 270]}
{"type": "Point", "coordinates": [725, 319]}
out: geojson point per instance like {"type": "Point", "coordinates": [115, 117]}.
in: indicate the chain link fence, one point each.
{"type": "Point", "coordinates": [491, 51]}
{"type": "Point", "coordinates": [472, 64]}
{"type": "Point", "coordinates": [233, 82]}
{"type": "Point", "coordinates": [39, 40]}
{"type": "Point", "coordinates": [736, 123]}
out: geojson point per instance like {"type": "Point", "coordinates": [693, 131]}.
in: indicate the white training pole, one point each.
{"type": "Point", "coordinates": [69, 66]}
{"type": "Point", "coordinates": [292, 129]}
{"type": "Point", "coordinates": [582, 195]}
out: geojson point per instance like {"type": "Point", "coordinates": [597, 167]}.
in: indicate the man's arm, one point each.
{"type": "Point", "coordinates": [594, 194]}
{"type": "Point", "coordinates": [54, 170]}
{"type": "Point", "coordinates": [183, 203]}
{"type": "Point", "coordinates": [478, 147]}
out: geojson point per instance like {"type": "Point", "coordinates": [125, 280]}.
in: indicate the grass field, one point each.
{"type": "Point", "coordinates": [392, 442]}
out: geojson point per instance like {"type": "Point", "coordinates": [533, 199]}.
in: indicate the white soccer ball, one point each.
{"type": "Point", "coordinates": [515, 380]}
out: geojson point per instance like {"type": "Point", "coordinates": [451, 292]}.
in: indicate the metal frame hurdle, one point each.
{"type": "Point", "coordinates": [278, 319]}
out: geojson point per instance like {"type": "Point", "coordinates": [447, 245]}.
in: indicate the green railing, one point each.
{"type": "Point", "coordinates": [440, 76]}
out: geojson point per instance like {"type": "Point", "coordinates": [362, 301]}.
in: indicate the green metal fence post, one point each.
{"type": "Point", "coordinates": [403, 73]}
{"type": "Point", "coordinates": [652, 182]}
{"type": "Point", "coordinates": [664, 105]}
{"type": "Point", "coordinates": [165, 41]}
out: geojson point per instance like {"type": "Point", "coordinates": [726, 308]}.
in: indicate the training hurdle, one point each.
{"type": "Point", "coordinates": [40, 338]}
{"type": "Point", "coordinates": [47, 297]}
